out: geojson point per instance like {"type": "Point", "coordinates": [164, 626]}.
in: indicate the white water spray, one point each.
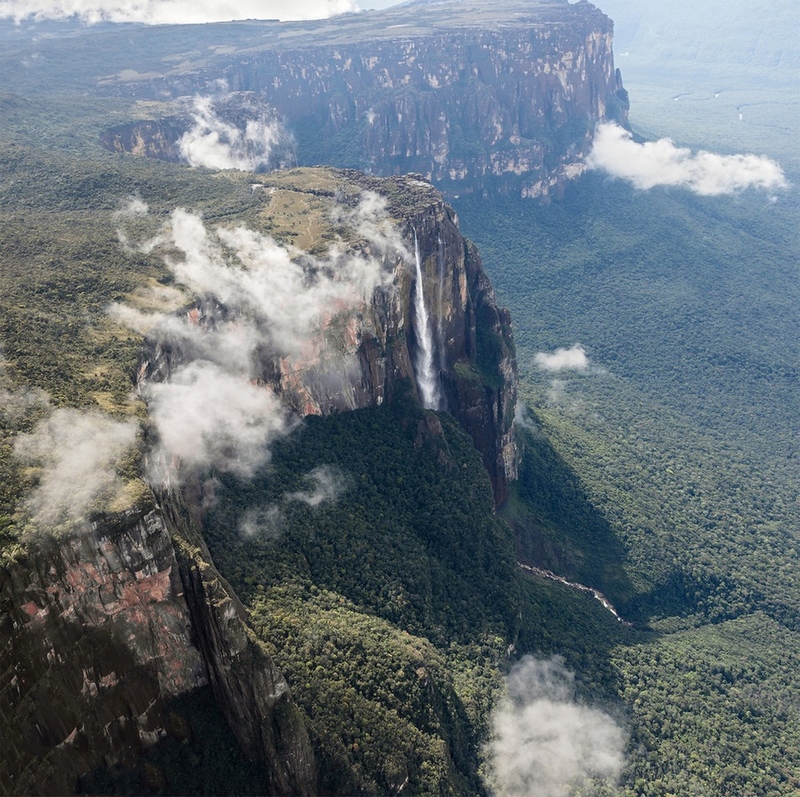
{"type": "Point", "coordinates": [426, 375]}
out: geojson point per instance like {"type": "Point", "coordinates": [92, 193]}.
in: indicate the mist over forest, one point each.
{"type": "Point", "coordinates": [400, 398]}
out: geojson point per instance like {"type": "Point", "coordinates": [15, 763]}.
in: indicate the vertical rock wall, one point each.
{"type": "Point", "coordinates": [95, 637]}
{"type": "Point", "coordinates": [100, 630]}
{"type": "Point", "coordinates": [491, 96]}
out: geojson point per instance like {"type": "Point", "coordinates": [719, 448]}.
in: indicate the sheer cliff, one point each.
{"type": "Point", "coordinates": [101, 631]}
{"type": "Point", "coordinates": [473, 95]}
{"type": "Point", "coordinates": [105, 626]}
{"type": "Point", "coordinates": [359, 354]}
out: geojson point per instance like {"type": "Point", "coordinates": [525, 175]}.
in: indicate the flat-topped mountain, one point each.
{"type": "Point", "coordinates": [107, 624]}
{"type": "Point", "coordinates": [471, 95]}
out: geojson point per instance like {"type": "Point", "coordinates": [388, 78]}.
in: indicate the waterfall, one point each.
{"type": "Point", "coordinates": [426, 374]}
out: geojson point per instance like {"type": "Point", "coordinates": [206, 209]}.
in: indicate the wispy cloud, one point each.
{"type": "Point", "coordinates": [662, 163]}
{"type": "Point", "coordinates": [524, 420]}
{"type": "Point", "coordinates": [264, 522]}
{"type": "Point", "coordinates": [256, 142]}
{"type": "Point", "coordinates": [286, 290]}
{"type": "Point", "coordinates": [77, 453]}
{"type": "Point", "coordinates": [18, 404]}
{"type": "Point", "coordinates": [174, 12]}
{"type": "Point", "coordinates": [545, 743]}
{"type": "Point", "coordinates": [326, 484]}
{"type": "Point", "coordinates": [572, 359]}
{"type": "Point", "coordinates": [261, 300]}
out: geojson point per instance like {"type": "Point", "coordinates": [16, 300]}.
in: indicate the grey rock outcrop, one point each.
{"type": "Point", "coordinates": [100, 630]}
{"type": "Point", "coordinates": [473, 95]}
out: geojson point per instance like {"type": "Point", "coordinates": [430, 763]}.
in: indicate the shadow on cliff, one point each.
{"type": "Point", "coordinates": [557, 528]}
{"type": "Point", "coordinates": [197, 755]}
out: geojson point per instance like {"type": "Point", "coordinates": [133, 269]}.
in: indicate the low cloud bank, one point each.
{"type": "Point", "coordinates": [545, 744]}
{"type": "Point", "coordinates": [174, 12]}
{"type": "Point", "coordinates": [255, 144]}
{"type": "Point", "coordinates": [73, 456]}
{"type": "Point", "coordinates": [252, 299]}
{"type": "Point", "coordinates": [661, 163]}
{"type": "Point", "coordinates": [572, 359]}
{"type": "Point", "coordinates": [78, 453]}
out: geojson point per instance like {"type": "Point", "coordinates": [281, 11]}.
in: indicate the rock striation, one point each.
{"type": "Point", "coordinates": [363, 355]}
{"type": "Point", "coordinates": [473, 95]}
{"type": "Point", "coordinates": [100, 630]}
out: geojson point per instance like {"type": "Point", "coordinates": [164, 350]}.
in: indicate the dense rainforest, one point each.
{"type": "Point", "coordinates": [680, 436]}
{"type": "Point", "coordinates": [367, 553]}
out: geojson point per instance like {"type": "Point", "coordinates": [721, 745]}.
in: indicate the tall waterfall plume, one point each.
{"type": "Point", "coordinates": [427, 378]}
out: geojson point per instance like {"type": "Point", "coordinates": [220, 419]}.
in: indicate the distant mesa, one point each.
{"type": "Point", "coordinates": [227, 131]}
{"type": "Point", "coordinates": [472, 95]}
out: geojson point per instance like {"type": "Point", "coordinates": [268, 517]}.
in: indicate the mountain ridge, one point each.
{"type": "Point", "coordinates": [511, 106]}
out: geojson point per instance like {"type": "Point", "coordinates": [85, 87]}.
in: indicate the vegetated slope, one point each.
{"type": "Point", "coordinates": [441, 603]}
{"type": "Point", "coordinates": [389, 604]}
{"type": "Point", "coordinates": [681, 437]}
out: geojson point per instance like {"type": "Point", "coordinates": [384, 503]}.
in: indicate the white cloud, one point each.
{"type": "Point", "coordinates": [174, 12]}
{"type": "Point", "coordinates": [262, 144]}
{"type": "Point", "coordinates": [287, 295]}
{"type": "Point", "coordinates": [326, 485]}
{"type": "Point", "coordinates": [207, 417]}
{"type": "Point", "coordinates": [134, 207]}
{"type": "Point", "coordinates": [544, 743]}
{"type": "Point", "coordinates": [370, 220]}
{"type": "Point", "coordinates": [572, 359]}
{"type": "Point", "coordinates": [229, 345]}
{"type": "Point", "coordinates": [524, 420]}
{"type": "Point", "coordinates": [249, 298]}
{"type": "Point", "coordinates": [77, 452]}
{"type": "Point", "coordinates": [661, 163]}
{"type": "Point", "coordinates": [262, 522]}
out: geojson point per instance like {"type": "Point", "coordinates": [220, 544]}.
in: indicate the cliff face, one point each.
{"type": "Point", "coordinates": [251, 692]}
{"type": "Point", "coordinates": [96, 636]}
{"type": "Point", "coordinates": [99, 631]}
{"type": "Point", "coordinates": [468, 94]}
{"type": "Point", "coordinates": [362, 354]}
{"type": "Point", "coordinates": [248, 132]}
